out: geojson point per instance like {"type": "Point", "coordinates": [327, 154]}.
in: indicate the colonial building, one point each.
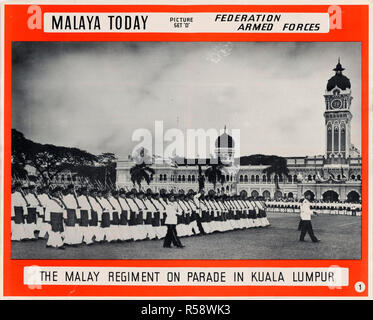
{"type": "Point", "coordinates": [336, 175]}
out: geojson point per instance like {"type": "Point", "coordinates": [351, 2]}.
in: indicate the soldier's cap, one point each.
{"type": "Point", "coordinates": [134, 191]}
{"type": "Point", "coordinates": [122, 191]}
{"type": "Point", "coordinates": [181, 191]}
{"type": "Point", "coordinates": [129, 193]}
{"type": "Point", "coordinates": [171, 195]}
{"type": "Point", "coordinates": [149, 191]}
{"type": "Point", "coordinates": [83, 188]}
{"type": "Point", "coordinates": [140, 193]}
{"type": "Point", "coordinates": [114, 192]}
{"type": "Point", "coordinates": [70, 186]}
{"type": "Point", "coordinates": [31, 185]}
{"type": "Point", "coordinates": [93, 190]}
{"type": "Point", "coordinates": [156, 194]}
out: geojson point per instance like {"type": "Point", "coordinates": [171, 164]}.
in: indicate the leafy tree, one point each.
{"type": "Point", "coordinates": [108, 161]}
{"type": "Point", "coordinates": [48, 160]}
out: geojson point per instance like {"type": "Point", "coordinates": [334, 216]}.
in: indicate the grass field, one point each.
{"type": "Point", "coordinates": [340, 239]}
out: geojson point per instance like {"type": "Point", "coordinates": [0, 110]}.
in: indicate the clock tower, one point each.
{"type": "Point", "coordinates": [338, 116]}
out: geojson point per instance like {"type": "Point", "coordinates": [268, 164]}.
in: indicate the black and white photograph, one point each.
{"type": "Point", "coordinates": [186, 150]}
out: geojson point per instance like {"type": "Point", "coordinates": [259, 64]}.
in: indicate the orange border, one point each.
{"type": "Point", "coordinates": [355, 28]}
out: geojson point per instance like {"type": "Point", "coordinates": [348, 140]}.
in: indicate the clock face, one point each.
{"type": "Point", "coordinates": [336, 104]}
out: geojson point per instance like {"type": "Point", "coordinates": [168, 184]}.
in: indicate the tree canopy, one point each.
{"type": "Point", "coordinates": [49, 160]}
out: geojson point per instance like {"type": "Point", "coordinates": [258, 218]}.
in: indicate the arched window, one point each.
{"type": "Point", "coordinates": [193, 178]}
{"type": "Point", "coordinates": [353, 177]}
{"type": "Point", "coordinates": [165, 177]}
{"type": "Point", "coordinates": [314, 177]}
{"type": "Point", "coordinates": [264, 178]}
{"type": "Point", "coordinates": [269, 178]}
{"type": "Point", "coordinates": [189, 178]}
{"type": "Point", "coordinates": [179, 178]}
{"type": "Point", "coordinates": [336, 139]}
{"type": "Point", "coordinates": [183, 178]}
{"type": "Point", "coordinates": [280, 178]}
{"type": "Point", "coordinates": [227, 178]}
{"type": "Point", "coordinates": [160, 177]}
{"type": "Point", "coordinates": [257, 178]}
{"type": "Point", "coordinates": [241, 178]}
{"type": "Point", "coordinates": [339, 177]}
{"type": "Point", "coordinates": [290, 179]}
{"type": "Point", "coordinates": [252, 178]}
{"type": "Point", "coordinates": [309, 178]}
{"type": "Point", "coordinates": [358, 177]}
{"type": "Point", "coordinates": [295, 179]}
{"type": "Point", "coordinates": [246, 178]}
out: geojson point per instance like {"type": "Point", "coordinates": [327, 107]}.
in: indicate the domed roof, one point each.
{"type": "Point", "coordinates": [339, 80]}
{"type": "Point", "coordinates": [224, 141]}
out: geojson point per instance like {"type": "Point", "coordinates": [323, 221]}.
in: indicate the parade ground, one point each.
{"type": "Point", "coordinates": [340, 239]}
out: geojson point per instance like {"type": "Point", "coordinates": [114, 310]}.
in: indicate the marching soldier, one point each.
{"type": "Point", "coordinates": [139, 207]}
{"type": "Point", "coordinates": [96, 216]}
{"type": "Point", "coordinates": [158, 210]}
{"type": "Point", "coordinates": [146, 216]}
{"type": "Point", "coordinates": [115, 212]}
{"type": "Point", "coordinates": [85, 215]}
{"type": "Point", "coordinates": [73, 235]}
{"type": "Point", "coordinates": [18, 213]}
{"type": "Point", "coordinates": [195, 218]}
{"type": "Point", "coordinates": [106, 215]}
{"type": "Point", "coordinates": [305, 213]}
{"type": "Point", "coordinates": [41, 225]}
{"type": "Point", "coordinates": [149, 215]}
{"type": "Point", "coordinates": [54, 214]}
{"type": "Point", "coordinates": [172, 211]}
{"type": "Point", "coordinates": [32, 211]}
{"type": "Point", "coordinates": [124, 227]}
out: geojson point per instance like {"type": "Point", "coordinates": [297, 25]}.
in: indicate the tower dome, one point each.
{"type": "Point", "coordinates": [224, 141]}
{"type": "Point", "coordinates": [338, 80]}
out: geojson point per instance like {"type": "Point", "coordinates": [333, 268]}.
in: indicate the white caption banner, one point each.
{"type": "Point", "coordinates": [332, 277]}
{"type": "Point", "coordinates": [186, 22]}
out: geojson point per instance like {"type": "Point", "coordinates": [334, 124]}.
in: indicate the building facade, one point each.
{"type": "Point", "coordinates": [334, 176]}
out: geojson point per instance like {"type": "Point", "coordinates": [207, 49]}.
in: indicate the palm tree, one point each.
{"type": "Point", "coordinates": [214, 174]}
{"type": "Point", "coordinates": [140, 172]}
{"type": "Point", "coordinates": [277, 167]}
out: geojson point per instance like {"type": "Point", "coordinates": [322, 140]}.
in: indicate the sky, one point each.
{"type": "Point", "coordinates": [94, 95]}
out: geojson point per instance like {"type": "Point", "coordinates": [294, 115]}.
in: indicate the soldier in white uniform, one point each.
{"type": "Point", "coordinates": [18, 212]}
{"type": "Point", "coordinates": [41, 225]}
{"type": "Point", "coordinates": [306, 213]}
{"type": "Point", "coordinates": [156, 219]}
{"type": "Point", "coordinates": [124, 227]}
{"type": "Point", "coordinates": [32, 212]}
{"type": "Point", "coordinates": [163, 204]}
{"type": "Point", "coordinates": [96, 216]}
{"type": "Point", "coordinates": [54, 214]}
{"type": "Point", "coordinates": [172, 211]}
{"type": "Point", "coordinates": [114, 219]}
{"type": "Point", "coordinates": [85, 215]}
{"type": "Point", "coordinates": [73, 235]}
{"type": "Point", "coordinates": [203, 211]}
{"type": "Point", "coordinates": [106, 215]}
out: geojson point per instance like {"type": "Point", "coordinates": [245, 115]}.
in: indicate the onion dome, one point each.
{"type": "Point", "coordinates": [224, 141]}
{"type": "Point", "coordinates": [339, 80]}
